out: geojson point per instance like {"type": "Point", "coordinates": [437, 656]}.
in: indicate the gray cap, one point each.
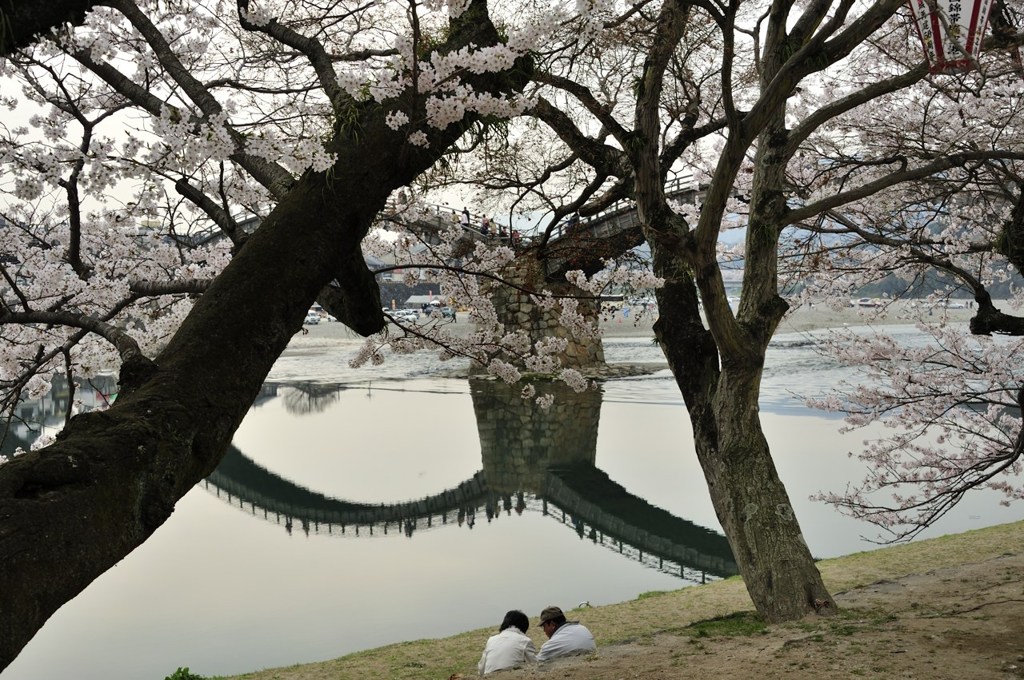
{"type": "Point", "coordinates": [549, 614]}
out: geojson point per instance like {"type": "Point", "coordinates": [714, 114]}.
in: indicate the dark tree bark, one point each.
{"type": "Point", "coordinates": [719, 372]}
{"type": "Point", "coordinates": [749, 498]}
{"type": "Point", "coordinates": [72, 510]}
{"type": "Point", "coordinates": [21, 21]}
{"type": "Point", "coordinates": [718, 368]}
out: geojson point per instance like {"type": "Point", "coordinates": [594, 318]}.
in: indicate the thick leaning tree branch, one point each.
{"type": "Point", "coordinates": [1009, 243]}
{"type": "Point", "coordinates": [70, 511]}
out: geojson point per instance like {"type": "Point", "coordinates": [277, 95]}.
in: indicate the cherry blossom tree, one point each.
{"type": "Point", "coordinates": [157, 119]}
{"type": "Point", "coordinates": [953, 403]}
{"type": "Point", "coordinates": [773, 108]}
{"type": "Point", "coordinates": [147, 121]}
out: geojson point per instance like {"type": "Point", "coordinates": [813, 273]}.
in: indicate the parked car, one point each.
{"type": "Point", "coordinates": [312, 318]}
{"type": "Point", "coordinates": [406, 314]}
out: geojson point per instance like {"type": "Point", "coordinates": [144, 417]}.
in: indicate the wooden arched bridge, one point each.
{"type": "Point", "coordinates": [576, 243]}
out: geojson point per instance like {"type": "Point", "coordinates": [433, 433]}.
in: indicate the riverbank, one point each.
{"type": "Point", "coordinates": [951, 607]}
{"type": "Point", "coordinates": [944, 608]}
{"type": "Point", "coordinates": [799, 319]}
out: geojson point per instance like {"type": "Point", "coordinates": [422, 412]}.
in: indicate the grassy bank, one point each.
{"type": "Point", "coordinates": [637, 622]}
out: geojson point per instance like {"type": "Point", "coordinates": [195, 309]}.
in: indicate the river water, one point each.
{"type": "Point", "coordinates": [228, 585]}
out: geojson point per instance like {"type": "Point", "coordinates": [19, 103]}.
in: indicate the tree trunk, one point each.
{"type": "Point", "coordinates": [22, 20]}
{"type": "Point", "coordinates": [72, 510]}
{"type": "Point", "coordinates": [754, 508]}
{"type": "Point", "coordinates": [749, 498]}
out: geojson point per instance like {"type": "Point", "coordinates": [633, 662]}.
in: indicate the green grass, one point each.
{"type": "Point", "coordinates": [730, 625]}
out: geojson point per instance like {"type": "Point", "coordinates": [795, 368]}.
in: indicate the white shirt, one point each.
{"type": "Point", "coordinates": [570, 638]}
{"type": "Point", "coordinates": [508, 649]}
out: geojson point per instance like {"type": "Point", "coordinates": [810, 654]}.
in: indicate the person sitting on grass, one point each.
{"type": "Point", "coordinates": [510, 648]}
{"type": "Point", "coordinates": [565, 638]}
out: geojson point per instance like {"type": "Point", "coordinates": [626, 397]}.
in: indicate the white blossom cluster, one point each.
{"type": "Point", "coordinates": [258, 14]}
{"type": "Point", "coordinates": [947, 406]}
{"type": "Point", "coordinates": [501, 351]}
{"type": "Point", "coordinates": [443, 110]}
{"type": "Point", "coordinates": [296, 155]}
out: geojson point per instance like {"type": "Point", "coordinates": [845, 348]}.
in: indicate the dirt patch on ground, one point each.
{"type": "Point", "coordinates": [957, 622]}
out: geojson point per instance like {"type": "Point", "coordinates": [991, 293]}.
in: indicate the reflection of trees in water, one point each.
{"type": "Point", "coordinates": [10, 440]}
{"type": "Point", "coordinates": [309, 397]}
{"type": "Point", "coordinates": [22, 423]}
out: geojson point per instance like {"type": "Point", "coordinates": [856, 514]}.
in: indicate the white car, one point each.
{"type": "Point", "coordinates": [406, 314]}
{"type": "Point", "coordinates": [312, 318]}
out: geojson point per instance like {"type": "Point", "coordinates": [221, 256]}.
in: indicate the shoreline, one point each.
{"type": "Point", "coordinates": [804, 318]}
{"type": "Point", "coordinates": [947, 607]}
{"type": "Point", "coordinates": [649, 637]}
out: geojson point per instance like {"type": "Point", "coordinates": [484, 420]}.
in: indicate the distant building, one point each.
{"type": "Point", "coordinates": [417, 301]}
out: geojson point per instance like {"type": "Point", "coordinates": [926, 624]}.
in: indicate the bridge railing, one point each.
{"type": "Point", "coordinates": [614, 219]}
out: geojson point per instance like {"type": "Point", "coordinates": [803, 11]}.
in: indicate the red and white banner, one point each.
{"type": "Point", "coordinates": [950, 31]}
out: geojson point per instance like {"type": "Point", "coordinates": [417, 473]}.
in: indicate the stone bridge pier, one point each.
{"type": "Point", "coordinates": [516, 308]}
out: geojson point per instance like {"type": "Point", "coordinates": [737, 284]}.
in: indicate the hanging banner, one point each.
{"type": "Point", "coordinates": [949, 29]}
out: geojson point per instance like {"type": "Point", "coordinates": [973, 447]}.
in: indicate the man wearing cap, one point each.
{"type": "Point", "coordinates": [565, 638]}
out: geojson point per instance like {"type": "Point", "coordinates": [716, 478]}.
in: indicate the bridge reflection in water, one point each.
{"type": "Point", "coordinates": [533, 461]}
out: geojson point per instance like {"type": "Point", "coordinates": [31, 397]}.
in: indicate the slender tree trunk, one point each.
{"type": "Point", "coordinates": [749, 498]}
{"type": "Point", "coordinates": [754, 508]}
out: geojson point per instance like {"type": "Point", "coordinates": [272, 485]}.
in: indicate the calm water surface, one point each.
{"type": "Point", "coordinates": [228, 586]}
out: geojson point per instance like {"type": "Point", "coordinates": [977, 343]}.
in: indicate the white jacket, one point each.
{"type": "Point", "coordinates": [508, 649]}
{"type": "Point", "coordinates": [571, 638]}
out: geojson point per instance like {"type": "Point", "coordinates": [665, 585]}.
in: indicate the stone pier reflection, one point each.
{"type": "Point", "coordinates": [521, 442]}
{"type": "Point", "coordinates": [551, 454]}
{"type": "Point", "coordinates": [533, 461]}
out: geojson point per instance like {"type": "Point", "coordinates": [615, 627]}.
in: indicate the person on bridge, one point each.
{"type": "Point", "coordinates": [465, 218]}
{"type": "Point", "coordinates": [510, 648]}
{"type": "Point", "coordinates": [565, 638]}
